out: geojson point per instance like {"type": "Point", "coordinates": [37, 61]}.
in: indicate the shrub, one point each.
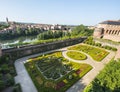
{"type": "Point", "coordinates": [5, 68]}
{"type": "Point", "coordinates": [10, 79]}
{"type": "Point", "coordinates": [2, 84]}
{"type": "Point", "coordinates": [17, 88]}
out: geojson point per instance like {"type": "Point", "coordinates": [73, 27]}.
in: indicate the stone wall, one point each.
{"type": "Point", "coordinates": [98, 32]}
{"type": "Point", "coordinates": [15, 53]}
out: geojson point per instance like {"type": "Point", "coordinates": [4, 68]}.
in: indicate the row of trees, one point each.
{"type": "Point", "coordinates": [90, 41]}
{"type": "Point", "coordinates": [52, 35]}
{"type": "Point", "coordinates": [77, 31]}
{"type": "Point", "coordinates": [108, 80]}
{"type": "Point", "coordinates": [20, 32]}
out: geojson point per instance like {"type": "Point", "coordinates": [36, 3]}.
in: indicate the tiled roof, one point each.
{"type": "Point", "coordinates": [110, 22]}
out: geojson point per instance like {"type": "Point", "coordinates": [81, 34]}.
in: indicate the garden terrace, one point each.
{"type": "Point", "coordinates": [96, 53]}
{"type": "Point", "coordinates": [52, 72]}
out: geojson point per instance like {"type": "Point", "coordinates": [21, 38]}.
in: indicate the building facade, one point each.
{"type": "Point", "coordinates": [108, 30]}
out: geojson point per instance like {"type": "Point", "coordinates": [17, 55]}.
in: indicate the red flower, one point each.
{"type": "Point", "coordinates": [78, 71]}
{"type": "Point", "coordinates": [60, 85]}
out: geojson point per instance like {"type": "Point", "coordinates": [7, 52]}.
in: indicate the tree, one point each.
{"type": "Point", "coordinates": [10, 79]}
{"type": "Point", "coordinates": [4, 68]}
{"type": "Point", "coordinates": [82, 30]}
{"type": "Point", "coordinates": [108, 80]}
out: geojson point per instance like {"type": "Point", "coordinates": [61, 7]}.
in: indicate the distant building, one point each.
{"type": "Point", "coordinates": [43, 27]}
{"type": "Point", "coordinates": [108, 30]}
{"type": "Point", "coordinates": [91, 27]}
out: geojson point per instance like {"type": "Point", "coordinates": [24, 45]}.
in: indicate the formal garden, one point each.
{"type": "Point", "coordinates": [52, 72]}
{"type": "Point", "coordinates": [96, 53]}
{"type": "Point", "coordinates": [76, 55]}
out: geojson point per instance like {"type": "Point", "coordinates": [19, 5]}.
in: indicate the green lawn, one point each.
{"type": "Point", "coordinates": [53, 73]}
{"type": "Point", "coordinates": [96, 53]}
{"type": "Point", "coordinates": [76, 55]}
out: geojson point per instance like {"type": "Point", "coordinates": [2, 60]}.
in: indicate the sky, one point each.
{"type": "Point", "coordinates": [70, 12]}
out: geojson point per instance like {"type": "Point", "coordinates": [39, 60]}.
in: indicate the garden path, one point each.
{"type": "Point", "coordinates": [22, 75]}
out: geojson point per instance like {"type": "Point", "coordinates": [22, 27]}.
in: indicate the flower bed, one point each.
{"type": "Point", "coordinates": [96, 53]}
{"type": "Point", "coordinates": [57, 74]}
{"type": "Point", "coordinates": [76, 55]}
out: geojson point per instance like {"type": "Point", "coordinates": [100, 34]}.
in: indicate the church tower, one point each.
{"type": "Point", "coordinates": [7, 20]}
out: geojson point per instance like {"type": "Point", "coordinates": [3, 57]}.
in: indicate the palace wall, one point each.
{"type": "Point", "coordinates": [111, 32]}
{"type": "Point", "coordinates": [15, 53]}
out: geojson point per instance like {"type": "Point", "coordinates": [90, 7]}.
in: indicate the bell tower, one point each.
{"type": "Point", "coordinates": [7, 20]}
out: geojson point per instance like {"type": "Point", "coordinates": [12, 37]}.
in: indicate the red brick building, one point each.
{"type": "Point", "coordinates": [108, 30]}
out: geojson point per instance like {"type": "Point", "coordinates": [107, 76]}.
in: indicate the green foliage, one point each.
{"type": "Point", "coordinates": [76, 55]}
{"type": "Point", "coordinates": [20, 32]}
{"type": "Point", "coordinates": [91, 42]}
{"type": "Point", "coordinates": [108, 80]}
{"type": "Point", "coordinates": [4, 68]}
{"type": "Point", "coordinates": [52, 35]}
{"type": "Point", "coordinates": [4, 59]}
{"type": "Point", "coordinates": [17, 88]}
{"type": "Point", "coordinates": [109, 48]}
{"type": "Point", "coordinates": [2, 84]}
{"type": "Point", "coordinates": [9, 79]}
{"type": "Point", "coordinates": [77, 31]}
{"type": "Point", "coordinates": [82, 30]}
{"type": "Point", "coordinates": [7, 72]}
{"type": "Point", "coordinates": [2, 26]}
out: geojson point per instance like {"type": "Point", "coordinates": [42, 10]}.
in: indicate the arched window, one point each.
{"type": "Point", "coordinates": [118, 32]}
{"type": "Point", "coordinates": [113, 32]}
{"type": "Point", "coordinates": [110, 31]}
{"type": "Point", "coordinates": [107, 31]}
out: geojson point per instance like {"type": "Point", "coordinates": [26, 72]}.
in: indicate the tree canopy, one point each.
{"type": "Point", "coordinates": [108, 80]}
{"type": "Point", "coordinates": [82, 30]}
